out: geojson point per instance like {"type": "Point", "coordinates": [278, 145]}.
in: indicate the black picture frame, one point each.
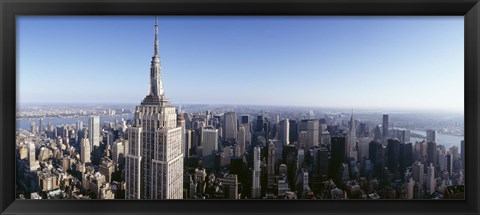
{"type": "Point", "coordinates": [9, 9]}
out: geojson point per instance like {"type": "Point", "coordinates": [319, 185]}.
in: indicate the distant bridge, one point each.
{"type": "Point", "coordinates": [417, 136]}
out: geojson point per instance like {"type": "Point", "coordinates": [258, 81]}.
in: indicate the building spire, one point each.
{"type": "Point", "coordinates": [156, 86]}
{"type": "Point", "coordinates": [156, 35]}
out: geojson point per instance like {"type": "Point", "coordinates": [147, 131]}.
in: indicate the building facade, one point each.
{"type": "Point", "coordinates": [154, 163]}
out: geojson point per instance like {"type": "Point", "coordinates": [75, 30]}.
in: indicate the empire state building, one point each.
{"type": "Point", "coordinates": [154, 161]}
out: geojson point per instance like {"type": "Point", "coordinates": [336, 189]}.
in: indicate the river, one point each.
{"type": "Point", "coordinates": [442, 139]}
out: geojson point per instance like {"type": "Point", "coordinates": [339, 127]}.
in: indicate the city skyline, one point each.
{"type": "Point", "coordinates": [109, 45]}
{"type": "Point", "coordinates": [161, 152]}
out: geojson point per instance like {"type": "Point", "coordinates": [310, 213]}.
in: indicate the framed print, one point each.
{"type": "Point", "coordinates": [239, 107]}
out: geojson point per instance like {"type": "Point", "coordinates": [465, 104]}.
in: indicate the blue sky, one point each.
{"type": "Point", "coordinates": [324, 61]}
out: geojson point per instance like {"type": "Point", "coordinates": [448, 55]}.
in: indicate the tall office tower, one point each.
{"type": "Point", "coordinates": [449, 163]}
{"type": "Point", "coordinates": [188, 143]}
{"type": "Point", "coordinates": [94, 132]}
{"type": "Point", "coordinates": [313, 133]}
{"type": "Point", "coordinates": [323, 161]}
{"type": "Point", "coordinates": [410, 185]}
{"type": "Point", "coordinates": [182, 125]}
{"type": "Point", "coordinates": [284, 132]}
{"type": "Point", "coordinates": [241, 141]}
{"type": "Point", "coordinates": [454, 152]}
{"type": "Point", "coordinates": [352, 139]}
{"type": "Point", "coordinates": [259, 125]}
{"type": "Point", "coordinates": [417, 173]}
{"type": "Point", "coordinates": [406, 156]}
{"type": "Point", "coordinates": [462, 145]}
{"type": "Point", "coordinates": [363, 130]}
{"type": "Point", "coordinates": [154, 164]}
{"type": "Point", "coordinates": [271, 166]}
{"type": "Point", "coordinates": [338, 155]}
{"type": "Point", "coordinates": [210, 146]}
{"type": "Point", "coordinates": [393, 155]}
{"type": "Point", "coordinates": [33, 128]}
{"type": "Point", "coordinates": [431, 179]}
{"type": "Point", "coordinates": [376, 153]}
{"type": "Point", "coordinates": [442, 160]}
{"type": "Point", "coordinates": [31, 157]}
{"type": "Point", "coordinates": [79, 125]}
{"type": "Point", "coordinates": [40, 126]}
{"type": "Point", "coordinates": [432, 136]}
{"type": "Point", "coordinates": [377, 133]}
{"type": "Point", "coordinates": [405, 136]}
{"type": "Point", "coordinates": [256, 173]}
{"type": "Point", "coordinates": [385, 127]}
{"type": "Point", "coordinates": [432, 153]}
{"type": "Point", "coordinates": [230, 125]}
{"type": "Point", "coordinates": [208, 115]}
{"type": "Point", "coordinates": [300, 158]}
{"type": "Point", "coordinates": [292, 131]}
{"type": "Point", "coordinates": [117, 151]}
{"type": "Point", "coordinates": [85, 151]}
{"type": "Point", "coordinates": [363, 148]}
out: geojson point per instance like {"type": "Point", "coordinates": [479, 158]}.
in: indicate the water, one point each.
{"type": "Point", "coordinates": [442, 139]}
{"type": "Point", "coordinates": [55, 121]}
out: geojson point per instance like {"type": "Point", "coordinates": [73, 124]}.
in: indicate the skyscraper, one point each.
{"type": "Point", "coordinates": [385, 127]}
{"type": "Point", "coordinates": [241, 141]}
{"type": "Point", "coordinates": [181, 123]}
{"type": "Point", "coordinates": [418, 172]}
{"type": "Point", "coordinates": [79, 125]}
{"type": "Point", "coordinates": [94, 132]}
{"type": "Point", "coordinates": [33, 128]}
{"type": "Point", "coordinates": [393, 155]}
{"type": "Point", "coordinates": [85, 150]}
{"type": "Point", "coordinates": [154, 164]}
{"type": "Point", "coordinates": [256, 173]}
{"type": "Point", "coordinates": [31, 157]}
{"type": "Point", "coordinates": [432, 136]}
{"type": "Point", "coordinates": [338, 155]}
{"type": "Point", "coordinates": [284, 132]}
{"type": "Point", "coordinates": [271, 166]}
{"type": "Point", "coordinates": [292, 130]}
{"type": "Point", "coordinates": [432, 153]}
{"type": "Point", "coordinates": [210, 146]}
{"type": "Point", "coordinates": [230, 125]}
{"type": "Point", "coordinates": [352, 146]}
{"type": "Point", "coordinates": [431, 179]}
{"type": "Point", "coordinates": [406, 156]}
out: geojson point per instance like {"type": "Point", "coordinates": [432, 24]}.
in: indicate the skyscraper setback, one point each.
{"type": "Point", "coordinates": [154, 164]}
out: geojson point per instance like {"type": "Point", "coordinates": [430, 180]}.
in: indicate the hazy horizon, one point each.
{"type": "Point", "coordinates": [379, 63]}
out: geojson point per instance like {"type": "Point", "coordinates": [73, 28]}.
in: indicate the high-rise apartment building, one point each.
{"type": "Point", "coordinates": [154, 163]}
